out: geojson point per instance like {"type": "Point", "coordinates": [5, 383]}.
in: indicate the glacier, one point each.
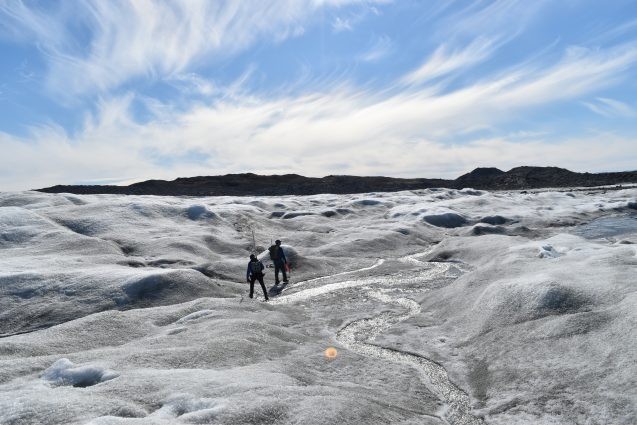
{"type": "Point", "coordinates": [437, 306]}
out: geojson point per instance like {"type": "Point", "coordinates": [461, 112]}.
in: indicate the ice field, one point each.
{"type": "Point", "coordinates": [443, 306]}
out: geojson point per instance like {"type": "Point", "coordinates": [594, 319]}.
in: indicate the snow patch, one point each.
{"type": "Point", "coordinates": [547, 251]}
{"type": "Point", "coordinates": [64, 372]}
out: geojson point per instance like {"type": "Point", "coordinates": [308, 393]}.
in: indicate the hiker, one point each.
{"type": "Point", "coordinates": [278, 258]}
{"type": "Point", "coordinates": [255, 272]}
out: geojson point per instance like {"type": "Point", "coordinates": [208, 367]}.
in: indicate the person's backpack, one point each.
{"type": "Point", "coordinates": [256, 267]}
{"type": "Point", "coordinates": [274, 252]}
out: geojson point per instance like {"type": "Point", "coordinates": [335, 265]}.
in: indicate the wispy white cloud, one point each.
{"type": "Point", "coordinates": [491, 18]}
{"type": "Point", "coordinates": [193, 83]}
{"type": "Point", "coordinates": [445, 60]}
{"type": "Point", "coordinates": [580, 71]}
{"type": "Point", "coordinates": [342, 24]}
{"type": "Point", "coordinates": [128, 38]}
{"type": "Point", "coordinates": [350, 20]}
{"type": "Point", "coordinates": [382, 47]}
{"type": "Point", "coordinates": [616, 31]}
{"type": "Point", "coordinates": [610, 108]}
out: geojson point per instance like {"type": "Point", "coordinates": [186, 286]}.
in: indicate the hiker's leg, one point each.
{"type": "Point", "coordinates": [252, 279]}
{"type": "Point", "coordinates": [277, 267]}
{"type": "Point", "coordinates": [265, 293]}
{"type": "Point", "coordinates": [285, 276]}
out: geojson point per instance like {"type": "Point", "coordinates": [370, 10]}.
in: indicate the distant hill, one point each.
{"type": "Point", "coordinates": [294, 184]}
{"type": "Point", "coordinates": [539, 177]}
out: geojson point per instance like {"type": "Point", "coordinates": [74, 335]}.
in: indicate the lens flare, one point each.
{"type": "Point", "coordinates": [330, 353]}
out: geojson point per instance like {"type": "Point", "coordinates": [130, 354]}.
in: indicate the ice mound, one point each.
{"type": "Point", "coordinates": [556, 298]}
{"type": "Point", "coordinates": [35, 200]}
{"type": "Point", "coordinates": [448, 220]}
{"type": "Point", "coordinates": [259, 204]}
{"type": "Point", "coordinates": [471, 192]}
{"type": "Point", "coordinates": [64, 372]}
{"type": "Point", "coordinates": [487, 230]}
{"type": "Point", "coordinates": [336, 212]}
{"type": "Point", "coordinates": [494, 220]}
{"type": "Point", "coordinates": [189, 409]}
{"type": "Point", "coordinates": [87, 226]}
{"type": "Point", "coordinates": [19, 226]}
{"type": "Point", "coordinates": [518, 285]}
{"type": "Point", "coordinates": [164, 287]}
{"type": "Point", "coordinates": [296, 214]}
{"type": "Point", "coordinates": [366, 202]}
{"type": "Point", "coordinates": [291, 254]}
{"type": "Point", "coordinates": [141, 210]}
{"type": "Point", "coordinates": [508, 303]}
{"type": "Point", "coordinates": [194, 316]}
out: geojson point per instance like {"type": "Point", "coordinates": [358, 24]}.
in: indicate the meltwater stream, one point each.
{"type": "Point", "coordinates": [356, 336]}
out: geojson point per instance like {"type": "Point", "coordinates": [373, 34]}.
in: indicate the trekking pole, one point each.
{"type": "Point", "coordinates": [254, 243]}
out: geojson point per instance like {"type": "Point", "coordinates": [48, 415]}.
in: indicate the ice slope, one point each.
{"type": "Point", "coordinates": [445, 306]}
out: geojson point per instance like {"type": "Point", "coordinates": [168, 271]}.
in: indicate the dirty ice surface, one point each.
{"type": "Point", "coordinates": [424, 307]}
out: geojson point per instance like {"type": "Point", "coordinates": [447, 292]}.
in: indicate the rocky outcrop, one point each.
{"type": "Point", "coordinates": [294, 184]}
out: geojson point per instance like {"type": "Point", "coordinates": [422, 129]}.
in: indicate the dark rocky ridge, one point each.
{"type": "Point", "coordinates": [294, 184]}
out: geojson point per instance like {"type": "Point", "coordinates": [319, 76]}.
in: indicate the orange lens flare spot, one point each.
{"type": "Point", "coordinates": [330, 353]}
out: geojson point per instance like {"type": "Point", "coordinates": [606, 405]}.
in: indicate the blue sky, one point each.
{"type": "Point", "coordinates": [120, 91]}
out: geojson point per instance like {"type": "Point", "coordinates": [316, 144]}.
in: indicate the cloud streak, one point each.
{"type": "Point", "coordinates": [382, 47]}
{"type": "Point", "coordinates": [445, 60]}
{"type": "Point", "coordinates": [610, 108]}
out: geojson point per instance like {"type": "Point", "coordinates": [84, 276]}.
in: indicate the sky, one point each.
{"type": "Point", "coordinates": [119, 91]}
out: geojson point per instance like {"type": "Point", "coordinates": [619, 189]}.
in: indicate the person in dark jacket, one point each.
{"type": "Point", "coordinates": [255, 272]}
{"type": "Point", "coordinates": [278, 258]}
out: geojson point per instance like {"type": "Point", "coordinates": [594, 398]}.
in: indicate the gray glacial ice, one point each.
{"type": "Point", "coordinates": [442, 306]}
